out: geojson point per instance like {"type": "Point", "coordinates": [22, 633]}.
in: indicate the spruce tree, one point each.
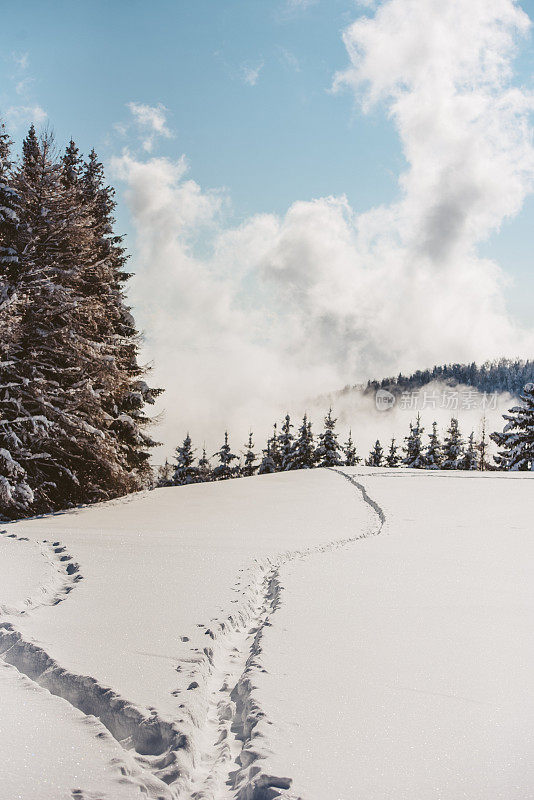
{"type": "Point", "coordinates": [285, 442]}
{"type": "Point", "coordinates": [328, 453]}
{"type": "Point", "coordinates": [267, 464]}
{"type": "Point", "coordinates": [224, 468]}
{"type": "Point", "coordinates": [73, 443]}
{"type": "Point", "coordinates": [184, 470]}
{"type": "Point", "coordinates": [349, 450]}
{"type": "Point", "coordinates": [516, 441]}
{"type": "Point", "coordinates": [274, 447]}
{"type": "Point", "coordinates": [393, 458]}
{"type": "Point", "coordinates": [470, 459]}
{"type": "Point", "coordinates": [304, 451]}
{"type": "Point", "coordinates": [433, 454]}
{"type": "Point", "coordinates": [249, 467]}
{"type": "Point", "coordinates": [414, 446]}
{"type": "Point", "coordinates": [16, 495]}
{"type": "Point", "coordinates": [376, 456]}
{"type": "Point", "coordinates": [165, 473]}
{"type": "Point", "coordinates": [482, 448]}
{"type": "Point", "coordinates": [453, 447]}
{"type": "Point", "coordinates": [204, 468]}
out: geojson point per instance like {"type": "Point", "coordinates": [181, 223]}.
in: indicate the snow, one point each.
{"type": "Point", "coordinates": [333, 638]}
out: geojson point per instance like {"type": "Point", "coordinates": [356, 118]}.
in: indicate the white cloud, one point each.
{"type": "Point", "coordinates": [283, 308]}
{"type": "Point", "coordinates": [293, 5]}
{"type": "Point", "coordinates": [22, 60]}
{"type": "Point", "coordinates": [250, 73]}
{"type": "Point", "coordinates": [152, 121]}
{"type": "Point", "coordinates": [18, 116]}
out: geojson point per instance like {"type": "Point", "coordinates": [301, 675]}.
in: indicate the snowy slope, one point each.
{"type": "Point", "coordinates": [406, 672]}
{"type": "Point", "coordinates": [330, 638]}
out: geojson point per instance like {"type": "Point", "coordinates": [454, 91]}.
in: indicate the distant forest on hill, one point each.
{"type": "Point", "coordinates": [502, 375]}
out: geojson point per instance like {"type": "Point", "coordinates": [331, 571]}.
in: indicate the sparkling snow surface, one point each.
{"type": "Point", "coordinates": [297, 634]}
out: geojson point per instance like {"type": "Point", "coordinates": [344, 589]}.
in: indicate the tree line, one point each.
{"type": "Point", "coordinates": [72, 392]}
{"type": "Point", "coordinates": [290, 449]}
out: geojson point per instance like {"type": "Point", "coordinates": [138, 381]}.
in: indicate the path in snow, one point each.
{"type": "Point", "coordinates": [153, 566]}
{"type": "Point", "coordinates": [401, 666]}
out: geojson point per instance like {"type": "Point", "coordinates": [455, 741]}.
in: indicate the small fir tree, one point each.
{"type": "Point", "coordinates": [482, 448]}
{"type": "Point", "coordinates": [453, 447]}
{"type": "Point", "coordinates": [470, 459]}
{"type": "Point", "coordinates": [328, 453]}
{"type": "Point", "coordinates": [267, 464]}
{"type": "Point", "coordinates": [349, 450]}
{"type": "Point", "coordinates": [376, 456]}
{"type": "Point", "coordinates": [303, 449]}
{"type": "Point", "coordinates": [184, 470]}
{"type": "Point", "coordinates": [249, 467]}
{"type": "Point", "coordinates": [393, 458]}
{"type": "Point", "coordinates": [224, 468]}
{"type": "Point", "coordinates": [285, 441]}
{"type": "Point", "coordinates": [414, 446]}
{"type": "Point", "coordinates": [204, 468]}
{"type": "Point", "coordinates": [433, 454]}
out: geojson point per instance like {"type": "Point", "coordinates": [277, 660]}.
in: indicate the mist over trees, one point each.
{"type": "Point", "coordinates": [72, 393]}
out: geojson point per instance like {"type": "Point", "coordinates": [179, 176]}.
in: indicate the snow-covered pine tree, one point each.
{"type": "Point", "coordinates": [516, 442]}
{"type": "Point", "coordinates": [62, 368]}
{"type": "Point", "coordinates": [105, 277]}
{"type": "Point", "coordinates": [433, 453]}
{"type": "Point", "coordinates": [224, 468]}
{"type": "Point", "coordinates": [249, 466]}
{"type": "Point", "coordinates": [328, 452]}
{"type": "Point", "coordinates": [414, 446]}
{"type": "Point", "coordinates": [267, 464]}
{"type": "Point", "coordinates": [393, 458]}
{"type": "Point", "coordinates": [285, 441]}
{"type": "Point", "coordinates": [275, 450]}
{"type": "Point", "coordinates": [204, 468]}
{"type": "Point", "coordinates": [165, 473]}
{"type": "Point", "coordinates": [453, 447]}
{"type": "Point", "coordinates": [376, 456]}
{"type": "Point", "coordinates": [303, 449]}
{"type": "Point", "coordinates": [470, 459]}
{"type": "Point", "coordinates": [15, 492]}
{"type": "Point", "coordinates": [185, 470]}
{"type": "Point", "coordinates": [349, 451]}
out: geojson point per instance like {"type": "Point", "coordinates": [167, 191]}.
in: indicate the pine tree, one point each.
{"type": "Point", "coordinates": [393, 458]}
{"type": "Point", "coordinates": [414, 446]}
{"type": "Point", "coordinates": [376, 456]}
{"type": "Point", "coordinates": [204, 468]}
{"type": "Point", "coordinates": [267, 464]}
{"type": "Point", "coordinates": [184, 470]}
{"type": "Point", "coordinates": [516, 442]}
{"type": "Point", "coordinates": [453, 447]}
{"type": "Point", "coordinates": [16, 494]}
{"type": "Point", "coordinates": [482, 448]}
{"type": "Point", "coordinates": [224, 468]}
{"type": "Point", "coordinates": [165, 473]}
{"type": "Point", "coordinates": [249, 467]}
{"type": "Point", "coordinates": [328, 451]}
{"type": "Point", "coordinates": [470, 459]}
{"type": "Point", "coordinates": [274, 447]}
{"type": "Point", "coordinates": [433, 454]}
{"type": "Point", "coordinates": [285, 441]}
{"type": "Point", "coordinates": [61, 365]}
{"type": "Point", "coordinates": [349, 450]}
{"type": "Point", "coordinates": [304, 451]}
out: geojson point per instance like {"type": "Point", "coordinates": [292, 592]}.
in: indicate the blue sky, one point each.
{"type": "Point", "coordinates": [246, 85]}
